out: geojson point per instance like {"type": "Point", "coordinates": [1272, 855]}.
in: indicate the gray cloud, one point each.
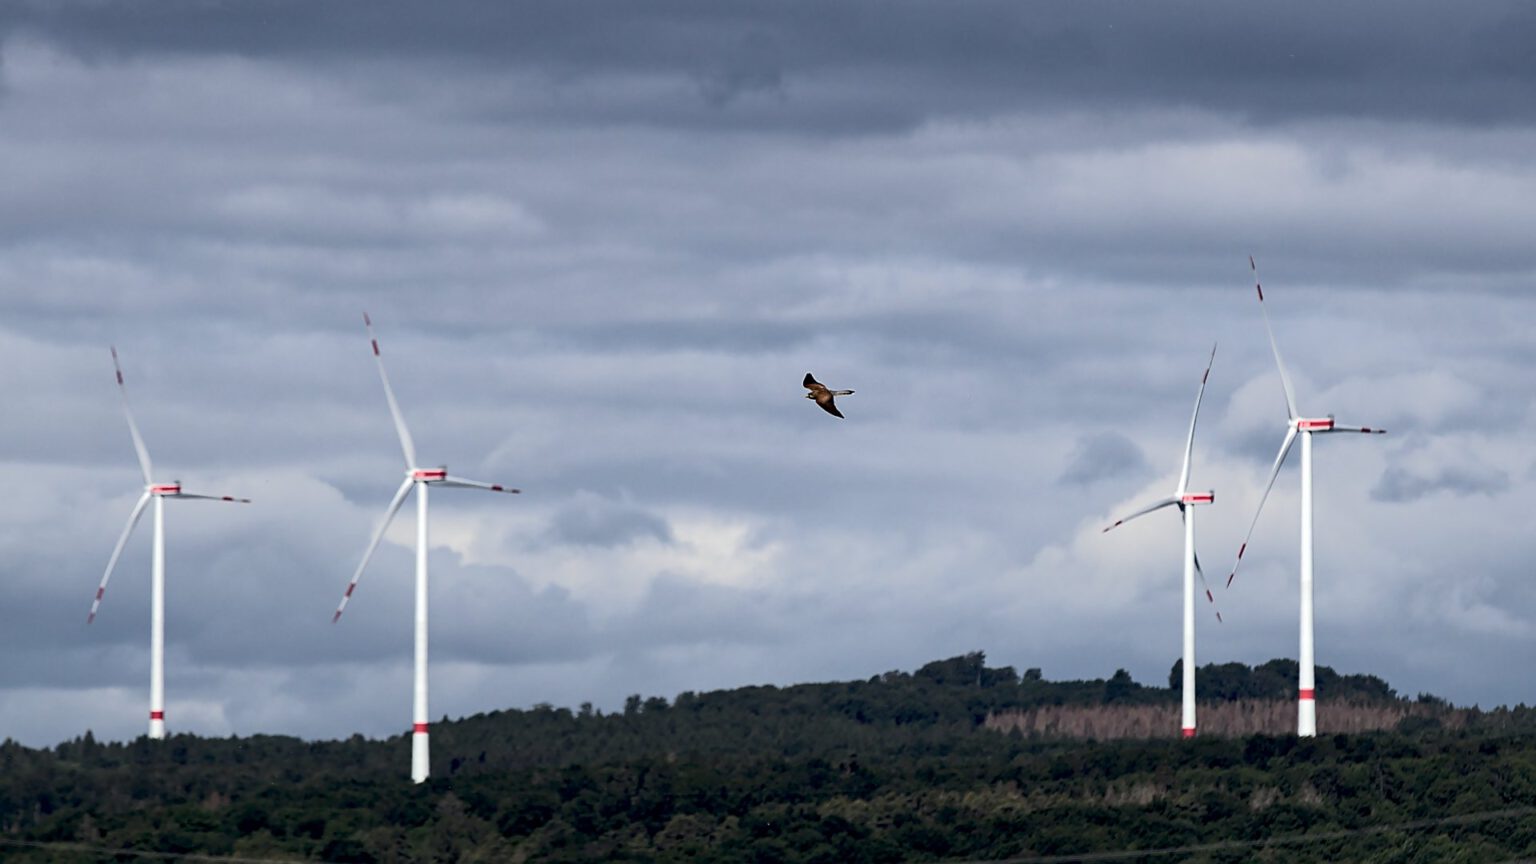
{"type": "Point", "coordinates": [1101, 456]}
{"type": "Point", "coordinates": [1401, 484]}
{"type": "Point", "coordinates": [592, 521]}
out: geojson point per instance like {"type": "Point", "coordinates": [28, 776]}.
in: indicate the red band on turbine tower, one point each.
{"type": "Point", "coordinates": [157, 715]}
{"type": "Point", "coordinates": [1306, 695]}
{"type": "Point", "coordinates": [419, 729]}
{"type": "Point", "coordinates": [1189, 731]}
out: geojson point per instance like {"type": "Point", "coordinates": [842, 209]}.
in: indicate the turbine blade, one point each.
{"type": "Point", "coordinates": [1285, 380]}
{"type": "Point", "coordinates": [461, 483]}
{"type": "Point", "coordinates": [1200, 571]}
{"type": "Point", "coordinates": [138, 440]}
{"type": "Point", "coordinates": [117, 552]}
{"type": "Point", "coordinates": [378, 534]}
{"type": "Point", "coordinates": [1369, 430]}
{"type": "Point", "coordinates": [406, 444]}
{"type": "Point", "coordinates": [1189, 443]}
{"type": "Point", "coordinates": [1285, 448]}
{"type": "Point", "coordinates": [211, 497]}
{"type": "Point", "coordinates": [1166, 502]}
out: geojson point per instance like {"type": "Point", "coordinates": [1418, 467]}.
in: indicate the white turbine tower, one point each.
{"type": "Point", "coordinates": [420, 478]}
{"type": "Point", "coordinates": [1306, 427]}
{"type": "Point", "coordinates": [1185, 501]}
{"type": "Point", "coordinates": [157, 492]}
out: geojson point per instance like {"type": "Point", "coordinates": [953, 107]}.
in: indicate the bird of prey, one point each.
{"type": "Point", "coordinates": [823, 396]}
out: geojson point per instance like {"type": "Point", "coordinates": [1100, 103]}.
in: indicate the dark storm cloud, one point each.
{"type": "Point", "coordinates": [1100, 456]}
{"type": "Point", "coordinates": [861, 66]}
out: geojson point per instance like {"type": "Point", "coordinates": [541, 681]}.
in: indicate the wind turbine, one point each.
{"type": "Point", "coordinates": [157, 492]}
{"type": "Point", "coordinates": [1186, 501]}
{"type": "Point", "coordinates": [420, 479]}
{"type": "Point", "coordinates": [1305, 427]}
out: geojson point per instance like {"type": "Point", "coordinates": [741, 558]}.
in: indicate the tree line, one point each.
{"type": "Point", "coordinates": [898, 767]}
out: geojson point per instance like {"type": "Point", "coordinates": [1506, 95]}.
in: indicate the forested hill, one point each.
{"type": "Point", "coordinates": [898, 767]}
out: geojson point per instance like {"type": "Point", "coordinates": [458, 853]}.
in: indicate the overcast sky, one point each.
{"type": "Point", "coordinates": [603, 242]}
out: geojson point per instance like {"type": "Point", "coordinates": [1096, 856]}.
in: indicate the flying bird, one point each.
{"type": "Point", "coordinates": [823, 396]}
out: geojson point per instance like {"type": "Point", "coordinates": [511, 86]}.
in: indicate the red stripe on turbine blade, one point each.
{"type": "Point", "coordinates": [1218, 618]}
{"type": "Point", "coordinates": [419, 729]}
{"type": "Point", "coordinates": [375, 346]}
{"type": "Point", "coordinates": [350, 589]}
{"type": "Point", "coordinates": [119, 377]}
{"type": "Point", "coordinates": [1261, 291]}
{"type": "Point", "coordinates": [366, 320]}
{"type": "Point", "coordinates": [1230, 577]}
{"type": "Point", "coordinates": [1306, 695]}
{"type": "Point", "coordinates": [1240, 550]}
{"type": "Point", "coordinates": [1209, 596]}
{"type": "Point", "coordinates": [99, 592]}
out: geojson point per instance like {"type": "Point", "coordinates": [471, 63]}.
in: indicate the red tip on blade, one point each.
{"type": "Point", "coordinates": [366, 320]}
{"type": "Point", "coordinates": [1261, 291]}
{"type": "Point", "coordinates": [336, 617]}
{"type": "Point", "coordinates": [91, 618]}
{"type": "Point", "coordinates": [375, 347]}
{"type": "Point", "coordinates": [1251, 265]}
{"type": "Point", "coordinates": [1218, 618]}
{"type": "Point", "coordinates": [119, 377]}
{"type": "Point", "coordinates": [1205, 377]}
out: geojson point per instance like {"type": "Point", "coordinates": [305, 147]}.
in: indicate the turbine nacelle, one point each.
{"type": "Point", "coordinates": [1198, 498]}
{"type": "Point", "coordinates": [428, 475]}
{"type": "Point", "coordinates": [163, 489]}
{"type": "Point", "coordinates": [1328, 424]}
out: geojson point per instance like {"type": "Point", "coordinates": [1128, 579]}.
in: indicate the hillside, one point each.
{"type": "Point", "coordinates": [898, 767]}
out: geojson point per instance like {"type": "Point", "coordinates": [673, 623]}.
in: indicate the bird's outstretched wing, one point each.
{"type": "Point", "coordinates": [822, 395]}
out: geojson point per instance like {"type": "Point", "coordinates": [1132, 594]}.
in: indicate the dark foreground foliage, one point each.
{"type": "Point", "coordinates": [896, 768]}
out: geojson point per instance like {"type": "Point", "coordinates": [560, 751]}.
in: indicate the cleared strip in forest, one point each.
{"type": "Point", "coordinates": [1235, 719]}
